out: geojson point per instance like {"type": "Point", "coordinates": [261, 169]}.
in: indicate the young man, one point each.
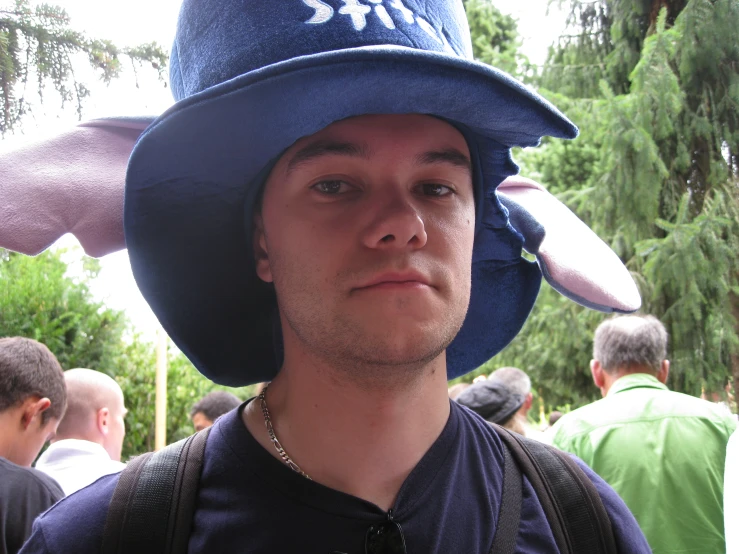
{"type": "Point", "coordinates": [212, 406]}
{"type": "Point", "coordinates": [32, 401]}
{"type": "Point", "coordinates": [89, 438]}
{"type": "Point", "coordinates": [333, 167]}
{"type": "Point", "coordinates": [659, 449]}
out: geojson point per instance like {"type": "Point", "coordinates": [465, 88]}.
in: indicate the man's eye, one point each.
{"type": "Point", "coordinates": [331, 187]}
{"type": "Point", "coordinates": [434, 189]}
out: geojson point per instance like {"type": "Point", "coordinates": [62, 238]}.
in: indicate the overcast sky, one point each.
{"type": "Point", "coordinates": [138, 21]}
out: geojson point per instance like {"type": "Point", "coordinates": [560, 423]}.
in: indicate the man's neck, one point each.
{"type": "Point", "coordinates": [77, 440]}
{"type": "Point", "coordinates": [355, 438]}
{"type": "Point", "coordinates": [10, 436]}
{"type": "Point", "coordinates": [611, 378]}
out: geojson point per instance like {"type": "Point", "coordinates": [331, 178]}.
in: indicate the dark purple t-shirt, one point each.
{"type": "Point", "coordinates": [250, 502]}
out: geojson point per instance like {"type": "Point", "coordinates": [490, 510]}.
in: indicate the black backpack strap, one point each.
{"type": "Point", "coordinates": [153, 504]}
{"type": "Point", "coordinates": [574, 509]}
{"type": "Point", "coordinates": [509, 515]}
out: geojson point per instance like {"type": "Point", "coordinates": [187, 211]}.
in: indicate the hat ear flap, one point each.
{"type": "Point", "coordinates": [572, 258]}
{"type": "Point", "coordinates": [70, 183]}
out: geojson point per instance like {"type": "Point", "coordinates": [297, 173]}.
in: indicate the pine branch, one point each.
{"type": "Point", "coordinates": [50, 47]}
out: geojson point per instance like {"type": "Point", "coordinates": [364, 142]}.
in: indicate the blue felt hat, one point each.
{"type": "Point", "coordinates": [253, 76]}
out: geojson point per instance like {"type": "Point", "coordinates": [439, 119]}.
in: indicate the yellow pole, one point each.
{"type": "Point", "coordinates": [160, 429]}
{"type": "Point", "coordinates": [542, 414]}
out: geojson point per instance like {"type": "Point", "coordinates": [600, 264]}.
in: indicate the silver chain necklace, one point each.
{"type": "Point", "coordinates": [281, 451]}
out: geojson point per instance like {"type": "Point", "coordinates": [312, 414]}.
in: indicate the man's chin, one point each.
{"type": "Point", "coordinates": [395, 347]}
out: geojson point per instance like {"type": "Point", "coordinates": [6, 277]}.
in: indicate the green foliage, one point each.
{"type": "Point", "coordinates": [654, 87]}
{"type": "Point", "coordinates": [38, 45]}
{"type": "Point", "coordinates": [559, 369]}
{"type": "Point", "coordinates": [135, 372]}
{"type": "Point", "coordinates": [567, 167]}
{"type": "Point", "coordinates": [136, 375]}
{"type": "Point", "coordinates": [39, 300]}
{"type": "Point", "coordinates": [603, 42]}
{"type": "Point", "coordinates": [689, 272]}
{"type": "Point", "coordinates": [185, 386]}
{"type": "Point", "coordinates": [495, 39]}
{"type": "Point", "coordinates": [577, 64]}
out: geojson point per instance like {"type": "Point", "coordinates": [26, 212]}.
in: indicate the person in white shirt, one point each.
{"type": "Point", "coordinates": [88, 442]}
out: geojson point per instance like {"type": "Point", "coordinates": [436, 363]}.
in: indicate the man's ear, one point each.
{"type": "Point", "coordinates": [103, 420]}
{"type": "Point", "coordinates": [663, 372]}
{"type": "Point", "coordinates": [596, 370]}
{"type": "Point", "coordinates": [527, 402]}
{"type": "Point", "coordinates": [33, 408]}
{"type": "Point", "coordinates": [261, 258]}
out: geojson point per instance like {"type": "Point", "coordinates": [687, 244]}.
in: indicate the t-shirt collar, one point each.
{"type": "Point", "coordinates": [290, 483]}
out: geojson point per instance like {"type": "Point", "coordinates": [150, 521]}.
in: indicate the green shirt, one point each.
{"type": "Point", "coordinates": [664, 453]}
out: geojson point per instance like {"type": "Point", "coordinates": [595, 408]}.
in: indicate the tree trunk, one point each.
{"type": "Point", "coordinates": [674, 7]}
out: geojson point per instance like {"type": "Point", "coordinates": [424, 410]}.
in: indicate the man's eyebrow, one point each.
{"type": "Point", "coordinates": [326, 148]}
{"type": "Point", "coordinates": [448, 155]}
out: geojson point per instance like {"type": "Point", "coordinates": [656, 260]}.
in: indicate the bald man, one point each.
{"type": "Point", "coordinates": [88, 442]}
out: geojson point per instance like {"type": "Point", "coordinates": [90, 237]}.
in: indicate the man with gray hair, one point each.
{"type": "Point", "coordinates": [520, 383]}
{"type": "Point", "coordinates": [660, 450]}
{"type": "Point", "coordinates": [88, 442]}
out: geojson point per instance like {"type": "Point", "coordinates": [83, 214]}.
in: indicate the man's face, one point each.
{"type": "Point", "coordinates": [366, 231]}
{"type": "Point", "coordinates": [200, 422]}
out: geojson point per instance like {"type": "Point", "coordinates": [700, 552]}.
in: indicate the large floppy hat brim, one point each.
{"type": "Point", "coordinates": [73, 182]}
{"type": "Point", "coordinates": [193, 177]}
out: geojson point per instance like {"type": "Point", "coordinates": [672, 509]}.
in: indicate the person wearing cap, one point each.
{"type": "Point", "coordinates": [520, 383]}
{"type": "Point", "coordinates": [328, 207]}
{"type": "Point", "coordinates": [493, 401]}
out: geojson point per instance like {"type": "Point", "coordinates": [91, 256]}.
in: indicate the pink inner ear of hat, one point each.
{"type": "Point", "coordinates": [76, 183]}
{"type": "Point", "coordinates": [71, 183]}
{"type": "Point", "coordinates": [575, 258]}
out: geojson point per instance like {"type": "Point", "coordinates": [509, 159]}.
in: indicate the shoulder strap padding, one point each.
{"type": "Point", "coordinates": [573, 507]}
{"type": "Point", "coordinates": [119, 503]}
{"type": "Point", "coordinates": [154, 501]}
{"type": "Point", "coordinates": [186, 492]}
{"type": "Point", "coordinates": [509, 514]}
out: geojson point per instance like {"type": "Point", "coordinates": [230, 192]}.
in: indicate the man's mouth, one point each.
{"type": "Point", "coordinates": [400, 280]}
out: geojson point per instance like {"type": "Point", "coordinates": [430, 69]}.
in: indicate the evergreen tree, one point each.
{"type": "Point", "coordinates": [654, 86]}
{"type": "Point", "coordinates": [40, 300]}
{"type": "Point", "coordinates": [495, 39]}
{"type": "Point", "coordinates": [38, 47]}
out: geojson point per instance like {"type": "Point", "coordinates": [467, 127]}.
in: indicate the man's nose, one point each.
{"type": "Point", "coordinates": [396, 224]}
